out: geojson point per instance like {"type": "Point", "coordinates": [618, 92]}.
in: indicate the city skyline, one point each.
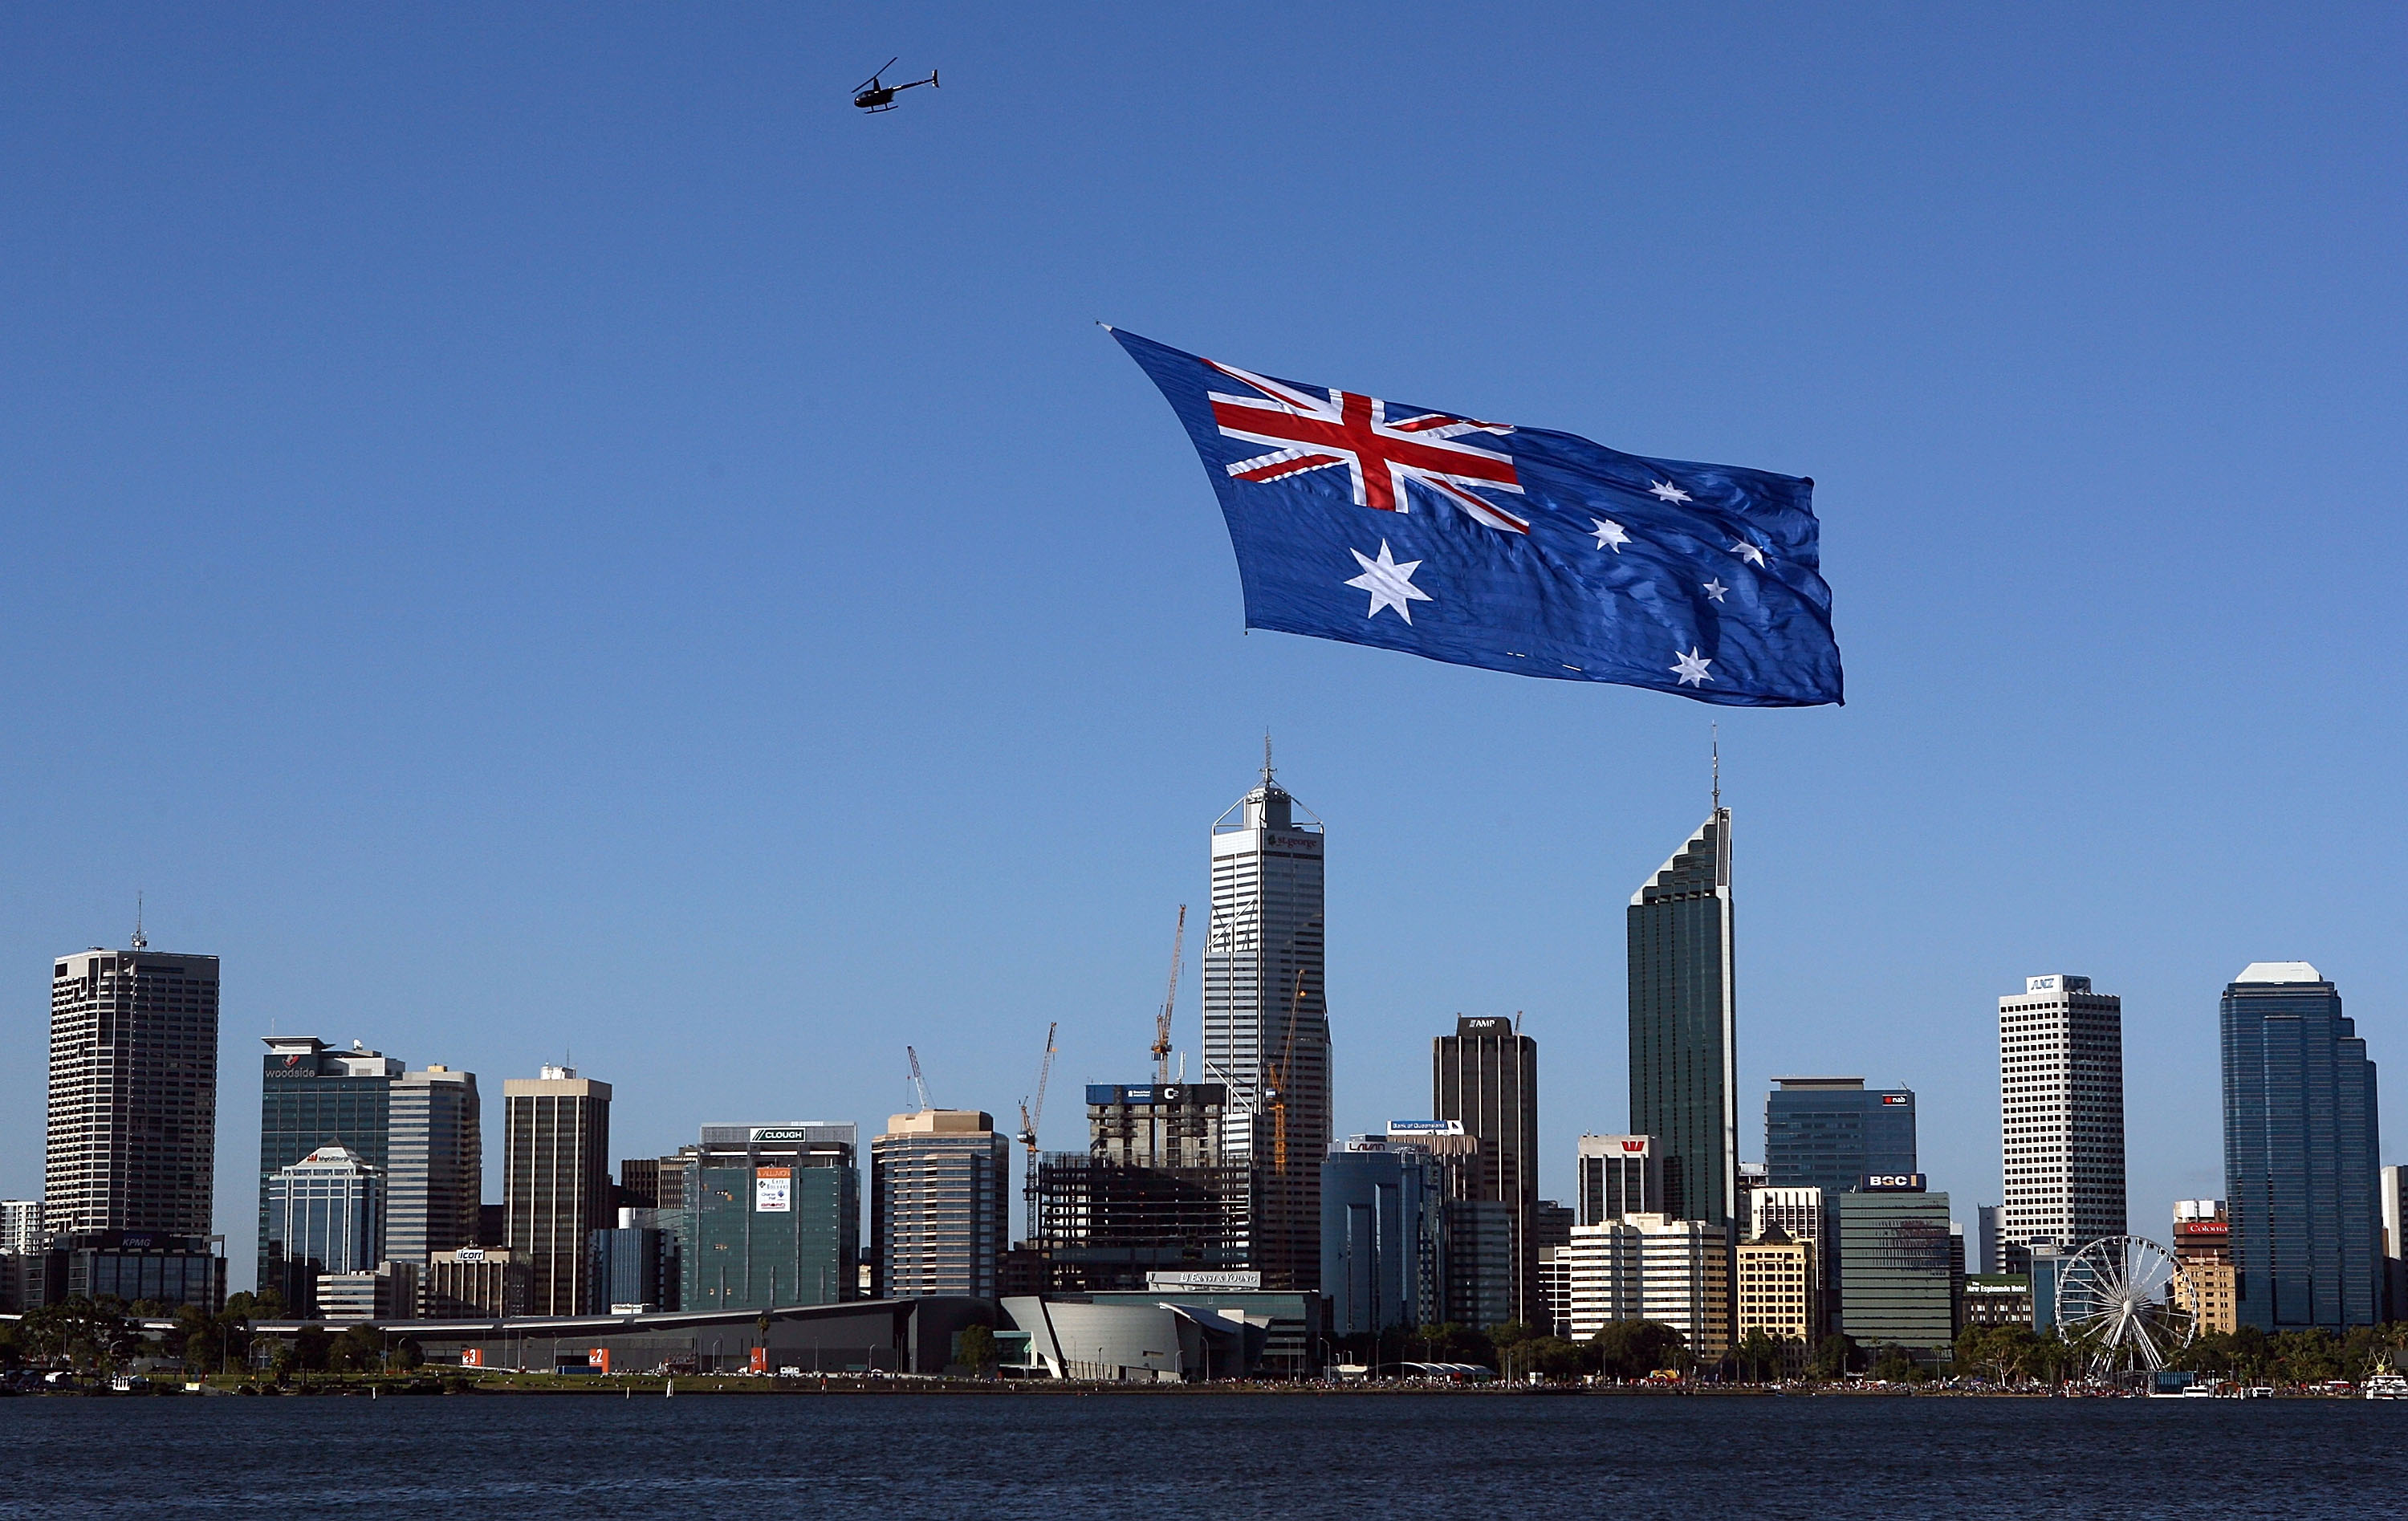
{"type": "Point", "coordinates": [566, 547]}
{"type": "Point", "coordinates": [286, 1051]}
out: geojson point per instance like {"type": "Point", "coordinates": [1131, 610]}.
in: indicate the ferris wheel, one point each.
{"type": "Point", "coordinates": [2127, 1301]}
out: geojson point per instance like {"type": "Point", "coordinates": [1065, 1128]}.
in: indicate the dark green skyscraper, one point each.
{"type": "Point", "coordinates": [1684, 1073]}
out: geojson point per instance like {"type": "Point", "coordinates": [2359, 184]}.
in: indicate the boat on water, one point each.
{"type": "Point", "coordinates": [2386, 1386]}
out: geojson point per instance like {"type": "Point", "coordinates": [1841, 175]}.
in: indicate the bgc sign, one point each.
{"type": "Point", "coordinates": [1893, 1182]}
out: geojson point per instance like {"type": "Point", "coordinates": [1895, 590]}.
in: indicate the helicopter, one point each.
{"type": "Point", "coordinates": [871, 95]}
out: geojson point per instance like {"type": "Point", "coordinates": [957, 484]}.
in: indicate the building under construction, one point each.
{"type": "Point", "coordinates": [1151, 1193]}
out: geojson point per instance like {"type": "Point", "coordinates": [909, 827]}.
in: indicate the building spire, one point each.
{"type": "Point", "coordinates": [142, 942]}
{"type": "Point", "coordinates": [1267, 772]}
{"type": "Point", "coordinates": [1717, 730]}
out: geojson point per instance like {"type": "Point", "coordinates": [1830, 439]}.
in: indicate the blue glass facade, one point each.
{"type": "Point", "coordinates": [1382, 1236]}
{"type": "Point", "coordinates": [1833, 1133]}
{"type": "Point", "coordinates": [2300, 1153]}
{"type": "Point", "coordinates": [635, 1265]}
{"type": "Point", "coordinates": [313, 1095]}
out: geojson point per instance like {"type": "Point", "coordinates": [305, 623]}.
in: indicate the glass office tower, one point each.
{"type": "Point", "coordinates": [311, 1095]}
{"type": "Point", "coordinates": [1683, 1076]}
{"type": "Point", "coordinates": [1833, 1132]}
{"type": "Point", "coordinates": [2300, 1153]}
{"type": "Point", "coordinates": [771, 1216]}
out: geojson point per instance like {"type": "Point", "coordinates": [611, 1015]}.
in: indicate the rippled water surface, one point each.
{"type": "Point", "coordinates": [514, 1457]}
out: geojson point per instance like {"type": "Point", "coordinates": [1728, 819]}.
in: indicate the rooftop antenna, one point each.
{"type": "Point", "coordinates": [1717, 732]}
{"type": "Point", "coordinates": [142, 942]}
{"type": "Point", "coordinates": [1268, 773]}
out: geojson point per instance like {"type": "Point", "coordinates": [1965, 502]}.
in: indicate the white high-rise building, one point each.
{"type": "Point", "coordinates": [2062, 1113]}
{"type": "Point", "coordinates": [134, 1092]}
{"type": "Point", "coordinates": [1601, 1276]}
{"type": "Point", "coordinates": [1684, 1279]}
{"type": "Point", "coordinates": [20, 1225]}
{"type": "Point", "coordinates": [1266, 1024]}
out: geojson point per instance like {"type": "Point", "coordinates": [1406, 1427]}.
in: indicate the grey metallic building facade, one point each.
{"type": "Point", "coordinates": [1267, 1022]}
{"type": "Point", "coordinates": [1683, 1024]}
{"type": "Point", "coordinates": [940, 1204]}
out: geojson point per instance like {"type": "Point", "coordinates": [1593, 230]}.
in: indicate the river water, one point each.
{"type": "Point", "coordinates": [1129, 1456]}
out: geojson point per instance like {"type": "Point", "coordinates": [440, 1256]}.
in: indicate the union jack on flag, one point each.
{"type": "Point", "coordinates": [1546, 554]}
{"type": "Point", "coordinates": [1343, 428]}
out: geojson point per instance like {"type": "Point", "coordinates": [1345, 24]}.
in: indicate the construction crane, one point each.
{"type": "Point", "coordinates": [1278, 1089]}
{"type": "Point", "coordinates": [1028, 1117]}
{"type": "Point", "coordinates": [918, 1083]}
{"type": "Point", "coordinates": [1170, 998]}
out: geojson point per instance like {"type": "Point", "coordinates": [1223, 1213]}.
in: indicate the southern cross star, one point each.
{"type": "Point", "coordinates": [1716, 590]}
{"type": "Point", "coordinates": [1667, 490]}
{"type": "Point", "coordinates": [1750, 551]}
{"type": "Point", "coordinates": [1691, 667]}
{"type": "Point", "coordinates": [1391, 584]}
{"type": "Point", "coordinates": [1610, 534]}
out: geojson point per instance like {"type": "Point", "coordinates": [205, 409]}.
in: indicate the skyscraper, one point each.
{"type": "Point", "coordinates": [324, 1208]}
{"type": "Point", "coordinates": [1267, 1020]}
{"type": "Point", "coordinates": [1831, 1132]}
{"type": "Point", "coordinates": [1382, 1236]}
{"type": "Point", "coordinates": [313, 1095]}
{"type": "Point", "coordinates": [770, 1216]}
{"type": "Point", "coordinates": [133, 1093]}
{"type": "Point", "coordinates": [2300, 1153]}
{"type": "Point", "coordinates": [434, 1173]}
{"type": "Point", "coordinates": [557, 1183]}
{"type": "Point", "coordinates": [1683, 1055]}
{"type": "Point", "coordinates": [1896, 1269]}
{"type": "Point", "coordinates": [939, 1206]}
{"type": "Point", "coordinates": [1487, 1075]}
{"type": "Point", "coordinates": [1618, 1175]}
{"type": "Point", "coordinates": [2062, 1113]}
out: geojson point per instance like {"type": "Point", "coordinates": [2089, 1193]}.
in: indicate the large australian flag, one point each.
{"type": "Point", "coordinates": [1516, 549]}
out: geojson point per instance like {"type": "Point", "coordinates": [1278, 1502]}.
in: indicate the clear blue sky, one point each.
{"type": "Point", "coordinates": [551, 532]}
